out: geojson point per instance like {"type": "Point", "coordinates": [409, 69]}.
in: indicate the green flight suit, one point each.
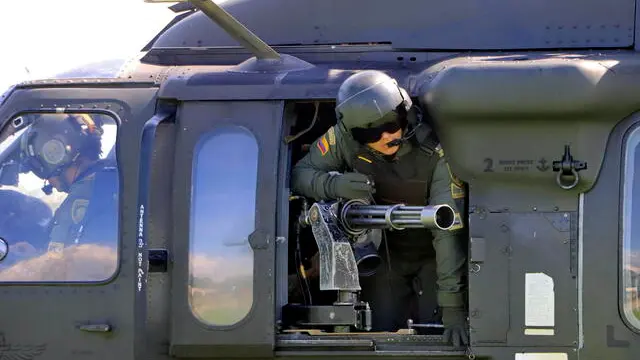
{"type": "Point", "coordinates": [414, 177]}
{"type": "Point", "coordinates": [70, 221]}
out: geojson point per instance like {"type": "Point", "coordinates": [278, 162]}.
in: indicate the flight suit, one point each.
{"type": "Point", "coordinates": [416, 175]}
{"type": "Point", "coordinates": [89, 212]}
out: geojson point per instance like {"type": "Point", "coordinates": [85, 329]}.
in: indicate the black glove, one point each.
{"type": "Point", "coordinates": [352, 185]}
{"type": "Point", "coordinates": [454, 320]}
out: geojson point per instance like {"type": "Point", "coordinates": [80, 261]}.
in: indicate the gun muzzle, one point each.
{"type": "Point", "coordinates": [359, 216]}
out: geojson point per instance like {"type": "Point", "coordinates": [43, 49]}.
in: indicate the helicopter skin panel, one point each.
{"type": "Point", "coordinates": [492, 116]}
{"type": "Point", "coordinates": [419, 24]}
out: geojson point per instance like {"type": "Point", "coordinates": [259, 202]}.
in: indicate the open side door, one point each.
{"type": "Point", "coordinates": [226, 166]}
{"type": "Point", "coordinates": [67, 275]}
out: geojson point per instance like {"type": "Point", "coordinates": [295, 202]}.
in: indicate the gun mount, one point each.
{"type": "Point", "coordinates": [344, 233]}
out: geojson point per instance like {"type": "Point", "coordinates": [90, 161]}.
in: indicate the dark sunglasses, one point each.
{"type": "Point", "coordinates": [373, 134]}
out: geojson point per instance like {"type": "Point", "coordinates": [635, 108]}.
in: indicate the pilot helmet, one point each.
{"type": "Point", "coordinates": [371, 102]}
{"type": "Point", "coordinates": [55, 141]}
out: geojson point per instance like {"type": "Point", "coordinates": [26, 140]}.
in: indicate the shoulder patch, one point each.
{"type": "Point", "coordinates": [439, 150]}
{"type": "Point", "coordinates": [79, 209]}
{"type": "Point", "coordinates": [454, 178]}
{"type": "Point", "coordinates": [323, 145]}
{"type": "Point", "coordinates": [332, 136]}
{"type": "Point", "coordinates": [457, 192]}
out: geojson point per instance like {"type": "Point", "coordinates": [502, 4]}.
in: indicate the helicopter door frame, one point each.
{"type": "Point", "coordinates": [93, 316]}
{"type": "Point", "coordinates": [204, 126]}
{"type": "Point", "coordinates": [609, 326]}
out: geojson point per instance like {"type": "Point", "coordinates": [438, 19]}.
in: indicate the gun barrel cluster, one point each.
{"type": "Point", "coordinates": [360, 216]}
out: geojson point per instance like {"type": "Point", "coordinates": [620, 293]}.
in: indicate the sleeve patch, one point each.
{"type": "Point", "coordinates": [454, 178]}
{"type": "Point", "coordinates": [457, 192]}
{"type": "Point", "coordinates": [323, 146]}
{"type": "Point", "coordinates": [332, 136]}
{"type": "Point", "coordinates": [78, 210]}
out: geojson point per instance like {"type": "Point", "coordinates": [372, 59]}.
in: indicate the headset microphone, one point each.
{"type": "Point", "coordinates": [396, 142]}
{"type": "Point", "coordinates": [404, 138]}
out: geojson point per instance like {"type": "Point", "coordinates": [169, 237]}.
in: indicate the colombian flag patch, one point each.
{"type": "Point", "coordinates": [323, 145]}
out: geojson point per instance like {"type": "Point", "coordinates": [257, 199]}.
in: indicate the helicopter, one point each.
{"type": "Point", "coordinates": [202, 248]}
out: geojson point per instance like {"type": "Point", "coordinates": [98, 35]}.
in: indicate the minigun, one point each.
{"type": "Point", "coordinates": [343, 232]}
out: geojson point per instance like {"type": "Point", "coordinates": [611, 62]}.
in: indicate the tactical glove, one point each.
{"type": "Point", "coordinates": [352, 185]}
{"type": "Point", "coordinates": [454, 320]}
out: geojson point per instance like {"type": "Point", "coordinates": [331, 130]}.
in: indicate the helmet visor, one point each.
{"type": "Point", "coordinates": [392, 123]}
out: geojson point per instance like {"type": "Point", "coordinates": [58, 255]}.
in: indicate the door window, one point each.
{"type": "Point", "coordinates": [631, 230]}
{"type": "Point", "coordinates": [59, 198]}
{"type": "Point", "coordinates": [223, 206]}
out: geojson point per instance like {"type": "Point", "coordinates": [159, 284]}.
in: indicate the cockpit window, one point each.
{"type": "Point", "coordinates": [223, 207]}
{"type": "Point", "coordinates": [7, 146]}
{"type": "Point", "coordinates": [59, 199]}
{"type": "Point", "coordinates": [631, 230]}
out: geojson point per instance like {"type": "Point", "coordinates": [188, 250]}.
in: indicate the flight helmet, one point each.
{"type": "Point", "coordinates": [56, 141]}
{"type": "Point", "coordinates": [370, 102]}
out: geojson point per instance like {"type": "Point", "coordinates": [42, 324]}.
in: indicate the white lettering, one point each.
{"type": "Point", "coordinates": [140, 275]}
{"type": "Point", "coordinates": [140, 246]}
{"type": "Point", "coordinates": [141, 225]}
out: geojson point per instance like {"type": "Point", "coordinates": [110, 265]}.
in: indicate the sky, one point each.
{"type": "Point", "coordinates": [51, 36]}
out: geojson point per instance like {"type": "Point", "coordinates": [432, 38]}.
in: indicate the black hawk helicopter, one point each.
{"type": "Point", "coordinates": [183, 239]}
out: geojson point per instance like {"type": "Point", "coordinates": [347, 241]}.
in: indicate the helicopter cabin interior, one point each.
{"type": "Point", "coordinates": [307, 311]}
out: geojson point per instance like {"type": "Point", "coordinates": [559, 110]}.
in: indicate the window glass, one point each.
{"type": "Point", "coordinates": [631, 230]}
{"type": "Point", "coordinates": [223, 206]}
{"type": "Point", "coordinates": [59, 198]}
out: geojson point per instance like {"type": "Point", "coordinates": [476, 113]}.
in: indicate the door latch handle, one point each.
{"type": "Point", "coordinates": [95, 327]}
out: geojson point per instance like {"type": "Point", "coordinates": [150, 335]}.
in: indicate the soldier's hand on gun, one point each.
{"type": "Point", "coordinates": [351, 185]}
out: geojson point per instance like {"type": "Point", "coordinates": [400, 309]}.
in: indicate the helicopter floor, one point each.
{"type": "Point", "coordinates": [402, 342]}
{"type": "Point", "coordinates": [316, 332]}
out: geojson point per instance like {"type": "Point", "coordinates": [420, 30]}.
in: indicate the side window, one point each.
{"type": "Point", "coordinates": [631, 230]}
{"type": "Point", "coordinates": [223, 206]}
{"type": "Point", "coordinates": [59, 198]}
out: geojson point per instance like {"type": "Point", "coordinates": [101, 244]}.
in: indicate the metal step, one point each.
{"type": "Point", "coordinates": [316, 343]}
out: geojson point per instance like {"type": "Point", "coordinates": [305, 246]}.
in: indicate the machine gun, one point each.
{"type": "Point", "coordinates": [342, 232]}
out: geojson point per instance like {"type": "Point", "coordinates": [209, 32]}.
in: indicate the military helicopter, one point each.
{"type": "Point", "coordinates": [535, 105]}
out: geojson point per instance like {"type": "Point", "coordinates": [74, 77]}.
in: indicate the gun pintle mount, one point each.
{"type": "Point", "coordinates": [342, 232]}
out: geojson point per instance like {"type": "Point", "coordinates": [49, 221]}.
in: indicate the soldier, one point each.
{"type": "Point", "coordinates": [64, 150]}
{"type": "Point", "coordinates": [388, 157]}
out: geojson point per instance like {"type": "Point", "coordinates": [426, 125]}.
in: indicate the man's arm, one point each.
{"type": "Point", "coordinates": [310, 176]}
{"type": "Point", "coordinates": [449, 244]}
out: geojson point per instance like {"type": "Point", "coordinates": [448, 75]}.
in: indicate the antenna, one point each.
{"type": "Point", "coordinates": [236, 30]}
